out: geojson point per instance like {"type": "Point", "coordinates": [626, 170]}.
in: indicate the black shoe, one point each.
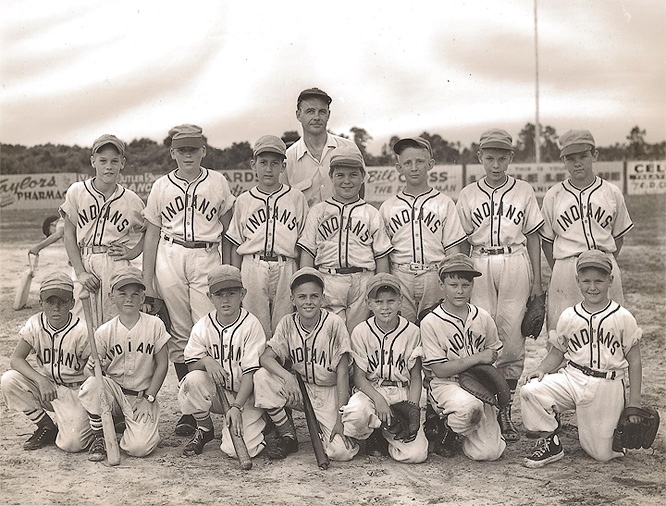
{"type": "Point", "coordinates": [97, 450]}
{"type": "Point", "coordinates": [432, 424]}
{"type": "Point", "coordinates": [447, 443]}
{"type": "Point", "coordinates": [509, 431]}
{"type": "Point", "coordinates": [548, 450]}
{"type": "Point", "coordinates": [376, 444]}
{"type": "Point", "coordinates": [278, 447]}
{"type": "Point", "coordinates": [196, 444]}
{"type": "Point", "coordinates": [186, 426]}
{"type": "Point", "coordinates": [43, 436]}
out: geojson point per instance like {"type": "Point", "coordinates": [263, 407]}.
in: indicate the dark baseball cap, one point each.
{"type": "Point", "coordinates": [127, 276]}
{"type": "Point", "coordinates": [306, 274]}
{"type": "Point", "coordinates": [412, 142]}
{"type": "Point", "coordinates": [58, 284]}
{"type": "Point", "coordinates": [186, 136]}
{"type": "Point", "coordinates": [458, 262]}
{"type": "Point", "coordinates": [270, 144]}
{"type": "Point", "coordinates": [224, 277]}
{"type": "Point", "coordinates": [576, 141]}
{"type": "Point", "coordinates": [496, 138]}
{"type": "Point", "coordinates": [346, 156]}
{"type": "Point", "coordinates": [105, 139]}
{"type": "Point", "coordinates": [381, 281]}
{"type": "Point", "coordinates": [594, 258]}
{"type": "Point", "coordinates": [316, 93]}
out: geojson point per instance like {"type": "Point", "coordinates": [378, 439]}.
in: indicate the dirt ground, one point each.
{"type": "Point", "coordinates": [50, 476]}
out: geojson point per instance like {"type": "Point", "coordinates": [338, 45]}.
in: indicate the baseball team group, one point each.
{"type": "Point", "coordinates": [298, 281]}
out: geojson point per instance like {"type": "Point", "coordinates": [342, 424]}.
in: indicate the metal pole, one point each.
{"type": "Point", "coordinates": [537, 127]}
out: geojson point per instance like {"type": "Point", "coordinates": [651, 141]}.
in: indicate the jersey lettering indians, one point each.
{"type": "Point", "coordinates": [578, 220]}
{"type": "Point", "coordinates": [598, 340]}
{"type": "Point", "coordinates": [501, 216]}
{"type": "Point", "coordinates": [421, 227]}
{"type": "Point", "coordinates": [315, 354]}
{"type": "Point", "coordinates": [268, 224]}
{"type": "Point", "coordinates": [100, 221]}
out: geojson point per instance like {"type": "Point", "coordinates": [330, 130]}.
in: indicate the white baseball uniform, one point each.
{"type": "Point", "coordinates": [265, 229]}
{"type": "Point", "coordinates": [127, 358]}
{"type": "Point", "coordinates": [444, 337]}
{"type": "Point", "coordinates": [421, 228]}
{"type": "Point", "coordinates": [593, 343]}
{"type": "Point", "coordinates": [315, 355]}
{"type": "Point", "coordinates": [387, 359]}
{"type": "Point", "coordinates": [61, 356]}
{"type": "Point", "coordinates": [101, 222]}
{"type": "Point", "coordinates": [237, 347]}
{"type": "Point", "coordinates": [578, 220]}
{"type": "Point", "coordinates": [497, 222]}
{"type": "Point", "coordinates": [188, 214]}
{"type": "Point", "coordinates": [345, 240]}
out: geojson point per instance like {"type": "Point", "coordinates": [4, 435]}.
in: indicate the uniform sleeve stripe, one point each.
{"type": "Point", "coordinates": [250, 369]}
{"type": "Point", "coordinates": [535, 228]}
{"type": "Point", "coordinates": [191, 360]}
{"type": "Point", "coordinates": [388, 251]}
{"type": "Point", "coordinates": [300, 245]}
{"type": "Point", "coordinates": [459, 241]}
{"type": "Point", "coordinates": [624, 231]}
{"type": "Point", "coordinates": [231, 240]}
{"type": "Point", "coordinates": [547, 239]}
{"type": "Point", "coordinates": [436, 361]}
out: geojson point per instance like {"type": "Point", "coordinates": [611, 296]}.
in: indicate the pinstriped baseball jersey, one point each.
{"type": "Point", "coordinates": [237, 346]}
{"type": "Point", "coordinates": [268, 224]}
{"type": "Point", "coordinates": [100, 221]}
{"type": "Point", "coordinates": [315, 354]}
{"type": "Point", "coordinates": [445, 336]}
{"type": "Point", "coordinates": [598, 340]}
{"type": "Point", "coordinates": [501, 216]}
{"type": "Point", "coordinates": [61, 354]}
{"type": "Point", "coordinates": [386, 355]}
{"type": "Point", "coordinates": [128, 355]}
{"type": "Point", "coordinates": [578, 220]}
{"type": "Point", "coordinates": [345, 235]}
{"type": "Point", "coordinates": [190, 211]}
{"type": "Point", "coordinates": [421, 227]}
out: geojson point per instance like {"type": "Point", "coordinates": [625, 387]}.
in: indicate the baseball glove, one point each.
{"type": "Point", "coordinates": [486, 383]}
{"type": "Point", "coordinates": [636, 435]}
{"type": "Point", "coordinates": [157, 307]}
{"type": "Point", "coordinates": [405, 421]}
{"type": "Point", "coordinates": [534, 316]}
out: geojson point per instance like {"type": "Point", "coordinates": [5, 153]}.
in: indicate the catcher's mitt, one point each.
{"type": "Point", "coordinates": [636, 435]}
{"type": "Point", "coordinates": [405, 421]}
{"type": "Point", "coordinates": [534, 316]}
{"type": "Point", "coordinates": [157, 307]}
{"type": "Point", "coordinates": [486, 383]}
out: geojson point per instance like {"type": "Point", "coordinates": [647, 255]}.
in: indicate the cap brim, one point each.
{"type": "Point", "coordinates": [576, 148]}
{"type": "Point", "coordinates": [128, 281]}
{"type": "Point", "coordinates": [225, 285]}
{"type": "Point", "coordinates": [372, 293]}
{"type": "Point", "coordinates": [56, 292]}
{"type": "Point", "coordinates": [496, 145]}
{"type": "Point", "coordinates": [120, 149]}
{"type": "Point", "coordinates": [596, 265]}
{"type": "Point", "coordinates": [472, 272]}
{"type": "Point", "coordinates": [403, 144]}
{"type": "Point", "coordinates": [270, 150]}
{"type": "Point", "coordinates": [187, 142]}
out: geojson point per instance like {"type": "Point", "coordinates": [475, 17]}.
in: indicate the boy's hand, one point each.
{"type": "Point", "coordinates": [487, 356]}
{"type": "Point", "coordinates": [383, 411]}
{"type": "Point", "coordinates": [234, 421]}
{"type": "Point", "coordinates": [142, 410]}
{"type": "Point", "coordinates": [89, 281]}
{"type": "Point", "coordinates": [292, 392]}
{"type": "Point", "coordinates": [47, 389]}
{"type": "Point", "coordinates": [216, 372]}
{"type": "Point", "coordinates": [338, 429]}
{"type": "Point", "coordinates": [119, 252]}
{"type": "Point", "coordinates": [526, 378]}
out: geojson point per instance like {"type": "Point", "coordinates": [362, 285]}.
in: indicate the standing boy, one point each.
{"type": "Point", "coordinates": [455, 336]}
{"type": "Point", "coordinates": [186, 214]}
{"type": "Point", "coordinates": [423, 226]}
{"type": "Point", "coordinates": [346, 239]}
{"type": "Point", "coordinates": [133, 358]}
{"type": "Point", "coordinates": [500, 215]}
{"type": "Point", "coordinates": [316, 343]}
{"type": "Point", "coordinates": [60, 343]}
{"type": "Point", "coordinates": [263, 232]}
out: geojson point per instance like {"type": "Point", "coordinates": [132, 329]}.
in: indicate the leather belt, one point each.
{"type": "Point", "coordinates": [127, 391]}
{"type": "Point", "coordinates": [591, 372]}
{"type": "Point", "coordinates": [271, 258]}
{"type": "Point", "coordinates": [419, 267]}
{"type": "Point", "coordinates": [391, 383]}
{"type": "Point", "coordinates": [87, 250]}
{"type": "Point", "coordinates": [75, 384]}
{"type": "Point", "coordinates": [190, 244]}
{"type": "Point", "coordinates": [342, 270]}
{"type": "Point", "coordinates": [495, 251]}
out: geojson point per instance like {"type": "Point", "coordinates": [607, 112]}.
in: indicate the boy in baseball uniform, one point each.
{"type": "Point", "coordinates": [59, 341]}
{"type": "Point", "coordinates": [601, 341]}
{"type": "Point", "coordinates": [386, 349]}
{"type": "Point", "coordinates": [455, 336]}
{"type": "Point", "coordinates": [186, 214]}
{"type": "Point", "coordinates": [501, 216]}
{"type": "Point", "coordinates": [266, 224]}
{"type": "Point", "coordinates": [316, 344]}
{"type": "Point", "coordinates": [223, 351]}
{"type": "Point", "coordinates": [423, 226]}
{"type": "Point", "coordinates": [345, 238]}
{"type": "Point", "coordinates": [133, 357]}
{"type": "Point", "coordinates": [582, 213]}
{"type": "Point", "coordinates": [99, 216]}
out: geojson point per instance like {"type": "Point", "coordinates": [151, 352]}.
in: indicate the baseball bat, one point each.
{"type": "Point", "coordinates": [239, 444]}
{"type": "Point", "coordinates": [313, 427]}
{"type": "Point", "coordinates": [112, 449]}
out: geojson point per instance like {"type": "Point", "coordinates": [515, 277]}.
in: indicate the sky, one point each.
{"type": "Point", "coordinates": [73, 70]}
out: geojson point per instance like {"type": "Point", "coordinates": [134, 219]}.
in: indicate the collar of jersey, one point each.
{"type": "Point", "coordinates": [314, 327]}
{"type": "Point", "coordinates": [336, 202]}
{"type": "Point", "coordinates": [222, 325]}
{"type": "Point", "coordinates": [596, 178]}
{"type": "Point", "coordinates": [495, 188]}
{"type": "Point", "coordinates": [301, 147]}
{"type": "Point", "coordinates": [52, 330]}
{"type": "Point", "coordinates": [201, 173]}
{"type": "Point", "coordinates": [385, 334]}
{"type": "Point", "coordinates": [602, 310]}
{"type": "Point", "coordinates": [430, 190]}
{"type": "Point", "coordinates": [266, 194]}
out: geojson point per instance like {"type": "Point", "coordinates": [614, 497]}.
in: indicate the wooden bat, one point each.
{"type": "Point", "coordinates": [112, 449]}
{"type": "Point", "coordinates": [239, 444]}
{"type": "Point", "coordinates": [313, 427]}
{"type": "Point", "coordinates": [23, 290]}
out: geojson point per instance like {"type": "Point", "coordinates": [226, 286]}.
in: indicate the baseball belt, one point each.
{"type": "Point", "coordinates": [190, 244]}
{"type": "Point", "coordinates": [342, 270]}
{"type": "Point", "coordinates": [611, 375]}
{"type": "Point", "coordinates": [75, 384]}
{"type": "Point", "coordinates": [419, 267]}
{"type": "Point", "coordinates": [494, 251]}
{"type": "Point", "coordinates": [87, 250]}
{"type": "Point", "coordinates": [391, 383]}
{"type": "Point", "coordinates": [271, 258]}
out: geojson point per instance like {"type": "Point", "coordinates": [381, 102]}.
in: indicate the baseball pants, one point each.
{"type": "Point", "coordinates": [598, 403]}
{"type": "Point", "coordinates": [359, 418]}
{"type": "Point", "coordinates": [268, 295]}
{"type": "Point", "coordinates": [197, 394]}
{"type": "Point", "coordinates": [139, 438]}
{"type": "Point", "coordinates": [503, 290]}
{"type": "Point", "coordinates": [344, 295]}
{"type": "Point", "coordinates": [420, 289]}
{"type": "Point", "coordinates": [22, 394]}
{"type": "Point", "coordinates": [267, 395]}
{"type": "Point", "coordinates": [470, 417]}
{"type": "Point", "coordinates": [563, 291]}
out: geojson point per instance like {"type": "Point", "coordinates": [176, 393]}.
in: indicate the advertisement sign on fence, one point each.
{"type": "Point", "coordinates": [646, 177]}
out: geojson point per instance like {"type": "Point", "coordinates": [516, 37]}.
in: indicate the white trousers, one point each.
{"type": "Point", "coordinates": [344, 295]}
{"type": "Point", "coordinates": [420, 290]}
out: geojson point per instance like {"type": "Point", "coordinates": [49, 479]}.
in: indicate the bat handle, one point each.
{"type": "Point", "coordinates": [238, 442]}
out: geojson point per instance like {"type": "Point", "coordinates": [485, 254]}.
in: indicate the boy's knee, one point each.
{"type": "Point", "coordinates": [10, 380]}
{"type": "Point", "coordinates": [338, 452]}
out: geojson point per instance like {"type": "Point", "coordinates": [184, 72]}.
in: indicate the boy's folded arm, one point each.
{"type": "Point", "coordinates": [454, 366]}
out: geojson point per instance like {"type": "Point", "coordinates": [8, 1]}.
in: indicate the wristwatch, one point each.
{"type": "Point", "coordinates": [149, 398]}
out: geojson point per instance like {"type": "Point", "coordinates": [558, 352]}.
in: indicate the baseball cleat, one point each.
{"type": "Point", "coordinates": [43, 436]}
{"type": "Point", "coordinates": [548, 450]}
{"type": "Point", "coordinates": [186, 426]}
{"type": "Point", "coordinates": [447, 443]}
{"type": "Point", "coordinates": [509, 431]}
{"type": "Point", "coordinates": [97, 450]}
{"type": "Point", "coordinates": [377, 445]}
{"type": "Point", "coordinates": [196, 444]}
{"type": "Point", "coordinates": [278, 447]}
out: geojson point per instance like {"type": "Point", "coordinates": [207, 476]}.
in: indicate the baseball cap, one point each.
{"type": "Point", "coordinates": [186, 136]}
{"type": "Point", "coordinates": [126, 276]}
{"type": "Point", "coordinates": [224, 276]}
{"type": "Point", "coordinates": [496, 138]}
{"type": "Point", "coordinates": [576, 141]}
{"type": "Point", "coordinates": [58, 284]}
{"type": "Point", "coordinates": [314, 92]}
{"type": "Point", "coordinates": [105, 139]}
{"type": "Point", "coordinates": [594, 258]}
{"type": "Point", "coordinates": [458, 262]}
{"type": "Point", "coordinates": [380, 281]}
{"type": "Point", "coordinates": [411, 142]}
{"type": "Point", "coordinates": [346, 156]}
{"type": "Point", "coordinates": [306, 272]}
{"type": "Point", "coordinates": [269, 144]}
